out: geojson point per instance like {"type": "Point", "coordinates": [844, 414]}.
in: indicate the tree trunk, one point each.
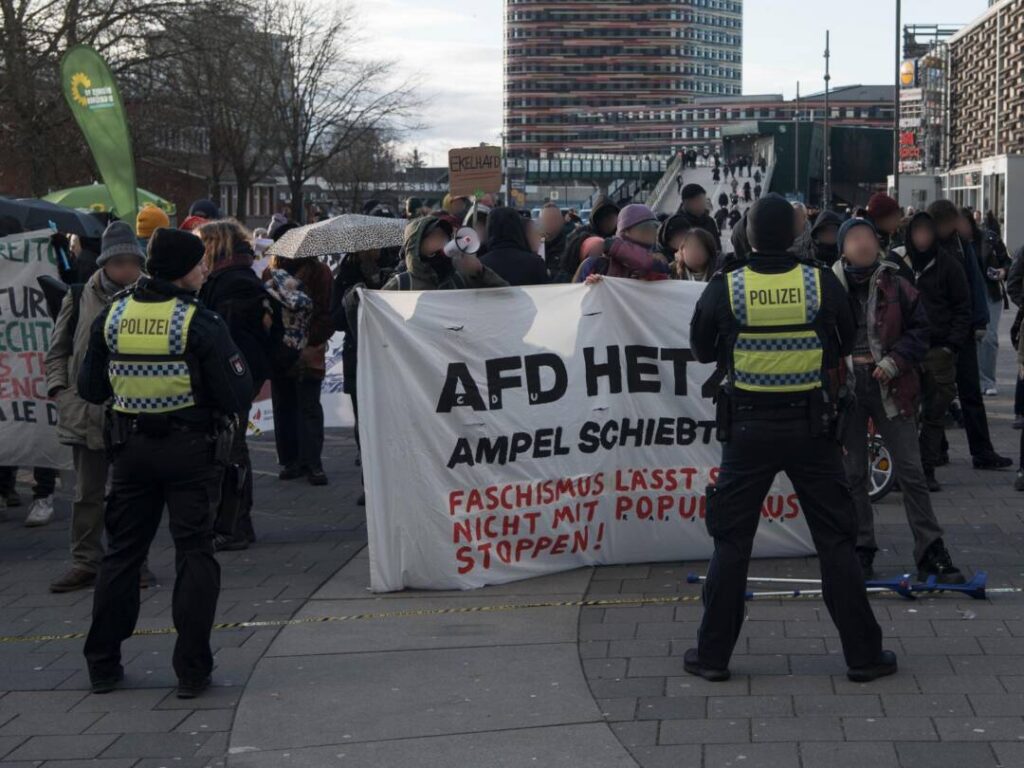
{"type": "Point", "coordinates": [243, 184]}
{"type": "Point", "coordinates": [298, 202]}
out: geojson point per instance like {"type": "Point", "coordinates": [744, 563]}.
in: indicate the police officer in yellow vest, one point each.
{"type": "Point", "coordinates": [171, 374]}
{"type": "Point", "coordinates": [779, 327]}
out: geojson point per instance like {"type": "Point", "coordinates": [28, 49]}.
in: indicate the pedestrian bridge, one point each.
{"type": "Point", "coordinates": [598, 169]}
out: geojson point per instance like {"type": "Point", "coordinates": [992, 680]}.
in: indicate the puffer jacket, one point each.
{"type": "Point", "coordinates": [78, 422]}
{"type": "Point", "coordinates": [898, 335]}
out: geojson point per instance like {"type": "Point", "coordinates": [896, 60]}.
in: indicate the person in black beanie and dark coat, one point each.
{"type": "Point", "coordinates": [174, 378]}
{"type": "Point", "coordinates": [695, 208]}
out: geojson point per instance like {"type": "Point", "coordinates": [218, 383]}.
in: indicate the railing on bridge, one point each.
{"type": "Point", "coordinates": [585, 167]}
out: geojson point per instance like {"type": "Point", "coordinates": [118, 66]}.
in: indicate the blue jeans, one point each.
{"type": "Point", "coordinates": [988, 347]}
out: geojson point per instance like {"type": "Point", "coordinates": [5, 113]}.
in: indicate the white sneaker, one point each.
{"type": "Point", "coordinates": [991, 392]}
{"type": "Point", "coordinates": [40, 513]}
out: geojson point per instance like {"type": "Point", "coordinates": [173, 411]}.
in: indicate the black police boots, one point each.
{"type": "Point", "coordinates": [886, 665]}
{"type": "Point", "coordinates": [693, 665]}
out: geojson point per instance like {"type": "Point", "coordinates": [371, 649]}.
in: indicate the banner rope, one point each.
{"type": "Point", "coordinates": [496, 608]}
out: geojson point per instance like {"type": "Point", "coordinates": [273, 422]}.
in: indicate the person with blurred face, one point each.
{"type": "Point", "coordinates": [694, 208]}
{"type": "Point", "coordinates": [948, 221]}
{"type": "Point", "coordinates": [890, 343]}
{"type": "Point", "coordinates": [885, 214]}
{"type": "Point", "coordinates": [553, 229]}
{"type": "Point", "coordinates": [79, 423]}
{"type": "Point", "coordinates": [942, 285]}
{"type": "Point", "coordinates": [694, 257]}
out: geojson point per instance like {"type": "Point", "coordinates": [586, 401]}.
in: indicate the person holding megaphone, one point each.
{"type": "Point", "coordinates": [435, 261]}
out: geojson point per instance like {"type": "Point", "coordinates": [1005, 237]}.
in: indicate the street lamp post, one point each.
{"type": "Point", "coordinates": [796, 142]}
{"type": "Point", "coordinates": [896, 113]}
{"type": "Point", "coordinates": [826, 186]}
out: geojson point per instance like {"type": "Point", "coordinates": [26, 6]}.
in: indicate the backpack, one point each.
{"type": "Point", "coordinates": [293, 311]}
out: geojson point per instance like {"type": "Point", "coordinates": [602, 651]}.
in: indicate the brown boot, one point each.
{"type": "Point", "coordinates": [75, 578]}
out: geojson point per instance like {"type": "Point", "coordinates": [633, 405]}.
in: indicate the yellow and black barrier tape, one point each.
{"type": "Point", "coordinates": [500, 607]}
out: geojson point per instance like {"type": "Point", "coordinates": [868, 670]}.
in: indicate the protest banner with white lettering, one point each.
{"type": "Point", "coordinates": [513, 432]}
{"type": "Point", "coordinates": [28, 418]}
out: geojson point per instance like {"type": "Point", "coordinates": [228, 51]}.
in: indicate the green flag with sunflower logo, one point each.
{"type": "Point", "coordinates": [92, 95]}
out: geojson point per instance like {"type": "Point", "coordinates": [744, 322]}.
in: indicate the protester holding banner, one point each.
{"type": "Point", "coordinates": [774, 416]}
{"type": "Point", "coordinates": [603, 220]}
{"type": "Point", "coordinates": [631, 253]}
{"type": "Point", "coordinates": [81, 424]}
{"type": "Point", "coordinates": [695, 257]}
{"type": "Point", "coordinates": [509, 253]}
{"type": "Point", "coordinates": [234, 292]}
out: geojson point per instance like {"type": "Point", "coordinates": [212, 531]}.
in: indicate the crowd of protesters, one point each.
{"type": "Point", "coordinates": [934, 283]}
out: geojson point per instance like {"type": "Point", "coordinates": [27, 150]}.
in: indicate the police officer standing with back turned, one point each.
{"type": "Point", "coordinates": [176, 383]}
{"type": "Point", "coordinates": [779, 328]}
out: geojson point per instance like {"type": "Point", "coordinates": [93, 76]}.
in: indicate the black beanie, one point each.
{"type": "Point", "coordinates": [770, 224]}
{"type": "Point", "coordinates": [691, 191]}
{"type": "Point", "coordinates": [173, 253]}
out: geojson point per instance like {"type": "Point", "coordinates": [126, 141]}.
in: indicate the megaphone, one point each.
{"type": "Point", "coordinates": [466, 240]}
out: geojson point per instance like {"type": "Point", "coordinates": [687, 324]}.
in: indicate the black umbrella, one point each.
{"type": "Point", "coordinates": [40, 214]}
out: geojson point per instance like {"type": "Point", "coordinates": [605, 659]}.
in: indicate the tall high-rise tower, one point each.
{"type": "Point", "coordinates": [607, 76]}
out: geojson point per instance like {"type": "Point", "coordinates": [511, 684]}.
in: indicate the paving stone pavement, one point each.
{"type": "Point", "coordinates": [959, 697]}
{"type": "Point", "coordinates": [47, 717]}
{"type": "Point", "coordinates": [441, 690]}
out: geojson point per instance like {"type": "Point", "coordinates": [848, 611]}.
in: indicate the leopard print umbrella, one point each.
{"type": "Point", "coordinates": [348, 233]}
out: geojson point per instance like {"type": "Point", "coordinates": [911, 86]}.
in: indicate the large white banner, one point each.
{"type": "Point", "coordinates": [513, 432]}
{"type": "Point", "coordinates": [28, 418]}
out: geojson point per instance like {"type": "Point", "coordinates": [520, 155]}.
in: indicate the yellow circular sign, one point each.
{"type": "Point", "coordinates": [908, 74]}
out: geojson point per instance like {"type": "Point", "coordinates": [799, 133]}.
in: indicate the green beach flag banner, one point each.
{"type": "Point", "coordinates": [92, 95]}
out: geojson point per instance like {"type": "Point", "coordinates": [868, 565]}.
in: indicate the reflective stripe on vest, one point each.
{"type": "Point", "coordinates": [777, 349]}
{"type": "Point", "coordinates": [148, 372]}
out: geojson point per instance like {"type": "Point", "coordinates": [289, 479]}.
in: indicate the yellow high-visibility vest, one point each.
{"type": "Point", "coordinates": [777, 349]}
{"type": "Point", "coordinates": [147, 369]}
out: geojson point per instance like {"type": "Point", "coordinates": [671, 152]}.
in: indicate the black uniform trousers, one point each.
{"type": "Point", "coordinates": [968, 386]}
{"type": "Point", "coordinates": [755, 453]}
{"type": "Point", "coordinates": [149, 472]}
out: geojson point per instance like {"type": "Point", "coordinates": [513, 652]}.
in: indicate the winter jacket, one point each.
{"type": "Point", "coordinates": [942, 285]}
{"type": "Point", "coordinates": [508, 250]}
{"type": "Point", "coordinates": [236, 294]}
{"type": "Point", "coordinates": [705, 222]}
{"type": "Point", "coordinates": [317, 280]}
{"type": "Point", "coordinates": [991, 253]}
{"type": "Point", "coordinates": [803, 246]}
{"type": "Point", "coordinates": [1015, 279]}
{"type": "Point", "coordinates": [898, 335]}
{"type": "Point", "coordinates": [350, 274]}
{"type": "Point", "coordinates": [572, 258]}
{"type": "Point", "coordinates": [78, 422]}
{"type": "Point", "coordinates": [554, 255]}
{"type": "Point", "coordinates": [424, 277]}
{"type": "Point", "coordinates": [963, 252]}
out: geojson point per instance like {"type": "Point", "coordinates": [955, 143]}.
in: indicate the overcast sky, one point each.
{"type": "Point", "coordinates": [452, 49]}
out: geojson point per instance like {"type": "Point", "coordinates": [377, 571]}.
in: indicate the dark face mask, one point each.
{"type": "Point", "coordinates": [826, 252]}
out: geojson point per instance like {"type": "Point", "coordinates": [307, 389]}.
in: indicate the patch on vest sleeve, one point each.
{"type": "Point", "coordinates": [237, 364]}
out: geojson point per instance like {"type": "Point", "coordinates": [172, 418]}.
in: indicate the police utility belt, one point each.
{"type": "Point", "coordinates": [220, 430]}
